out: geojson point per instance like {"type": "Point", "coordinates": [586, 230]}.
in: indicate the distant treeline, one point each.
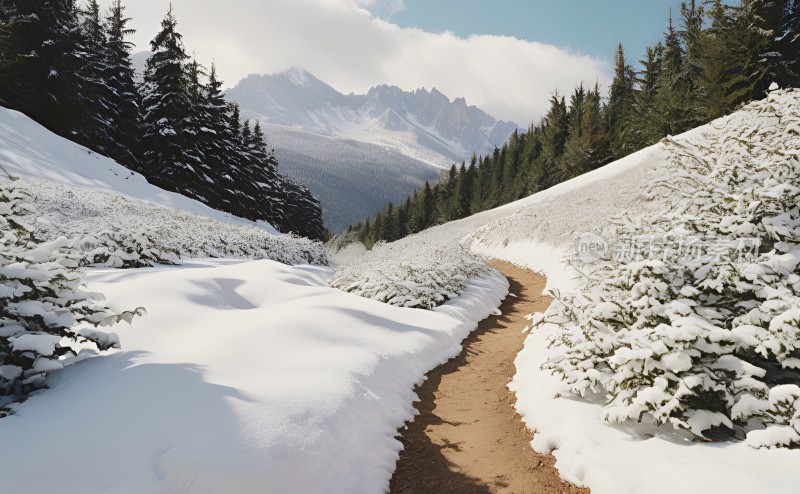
{"type": "Point", "coordinates": [719, 57]}
{"type": "Point", "coordinates": [69, 67]}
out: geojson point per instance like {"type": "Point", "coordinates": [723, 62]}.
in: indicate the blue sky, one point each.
{"type": "Point", "coordinates": [590, 27]}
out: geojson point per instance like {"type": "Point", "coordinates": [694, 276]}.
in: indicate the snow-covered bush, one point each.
{"type": "Point", "coordinates": [116, 231]}
{"type": "Point", "coordinates": [421, 278]}
{"type": "Point", "coordinates": [124, 249]}
{"type": "Point", "coordinates": [701, 331]}
{"type": "Point", "coordinates": [42, 304]}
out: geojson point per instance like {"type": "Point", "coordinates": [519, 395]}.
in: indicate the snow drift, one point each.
{"type": "Point", "coordinates": [243, 377]}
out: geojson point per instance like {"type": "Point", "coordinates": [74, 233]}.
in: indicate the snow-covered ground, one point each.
{"type": "Point", "coordinates": [540, 232]}
{"type": "Point", "coordinates": [243, 377]}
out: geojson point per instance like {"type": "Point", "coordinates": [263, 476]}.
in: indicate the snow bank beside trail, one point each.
{"type": "Point", "coordinates": [28, 150]}
{"type": "Point", "coordinates": [612, 459]}
{"type": "Point", "coordinates": [422, 278]}
{"type": "Point", "coordinates": [243, 377]}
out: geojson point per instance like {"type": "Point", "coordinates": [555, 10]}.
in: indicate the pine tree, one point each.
{"type": "Point", "coordinates": [575, 155]}
{"type": "Point", "coordinates": [166, 107]}
{"type": "Point", "coordinates": [303, 213]}
{"type": "Point", "coordinates": [555, 129]}
{"type": "Point", "coordinates": [235, 123]}
{"type": "Point", "coordinates": [125, 129]}
{"type": "Point", "coordinates": [694, 99]}
{"type": "Point", "coordinates": [645, 126]}
{"type": "Point", "coordinates": [620, 105]}
{"type": "Point", "coordinates": [670, 94]}
{"type": "Point", "coordinates": [424, 213]}
{"type": "Point", "coordinates": [98, 98]}
{"type": "Point", "coordinates": [587, 146]}
{"type": "Point", "coordinates": [463, 191]}
{"type": "Point", "coordinates": [730, 50]}
{"type": "Point", "coordinates": [779, 22]}
{"type": "Point", "coordinates": [510, 168]}
{"type": "Point", "coordinates": [42, 69]}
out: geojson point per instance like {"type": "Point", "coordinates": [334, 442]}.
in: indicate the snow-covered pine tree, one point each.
{"type": "Point", "coordinates": [42, 73]}
{"type": "Point", "coordinates": [779, 23]}
{"type": "Point", "coordinates": [265, 174]}
{"type": "Point", "coordinates": [166, 106]}
{"type": "Point", "coordinates": [302, 211]}
{"type": "Point", "coordinates": [707, 342]}
{"type": "Point", "coordinates": [125, 127]}
{"type": "Point", "coordinates": [199, 136]}
{"type": "Point", "coordinates": [42, 304]}
{"type": "Point", "coordinates": [217, 142]}
{"type": "Point", "coordinates": [96, 128]}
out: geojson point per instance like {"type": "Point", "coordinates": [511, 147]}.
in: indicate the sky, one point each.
{"type": "Point", "coordinates": [504, 56]}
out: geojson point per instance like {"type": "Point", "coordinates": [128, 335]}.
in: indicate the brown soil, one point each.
{"type": "Point", "coordinates": [468, 437]}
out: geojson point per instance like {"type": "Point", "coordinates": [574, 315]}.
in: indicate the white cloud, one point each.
{"type": "Point", "coordinates": [347, 44]}
{"type": "Point", "coordinates": [382, 8]}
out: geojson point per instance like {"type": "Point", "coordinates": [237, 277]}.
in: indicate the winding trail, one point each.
{"type": "Point", "coordinates": [467, 437]}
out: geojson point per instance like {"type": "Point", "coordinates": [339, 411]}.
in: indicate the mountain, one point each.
{"type": "Point", "coordinates": [343, 174]}
{"type": "Point", "coordinates": [415, 122]}
{"type": "Point", "coordinates": [387, 133]}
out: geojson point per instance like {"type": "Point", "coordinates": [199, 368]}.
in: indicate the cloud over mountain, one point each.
{"type": "Point", "coordinates": [349, 45]}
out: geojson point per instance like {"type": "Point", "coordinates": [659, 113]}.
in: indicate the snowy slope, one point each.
{"type": "Point", "coordinates": [28, 150]}
{"type": "Point", "coordinates": [539, 232]}
{"type": "Point", "coordinates": [243, 377]}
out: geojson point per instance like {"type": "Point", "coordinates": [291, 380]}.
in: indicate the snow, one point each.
{"type": "Point", "coordinates": [243, 376]}
{"type": "Point", "coordinates": [239, 374]}
{"type": "Point", "coordinates": [615, 458]}
{"type": "Point", "coordinates": [117, 217]}
{"type": "Point", "coordinates": [28, 150]}
{"type": "Point", "coordinates": [43, 344]}
{"type": "Point", "coordinates": [538, 232]}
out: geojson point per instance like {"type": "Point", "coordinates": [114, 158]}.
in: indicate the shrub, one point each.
{"type": "Point", "coordinates": [708, 343]}
{"type": "Point", "coordinates": [42, 303]}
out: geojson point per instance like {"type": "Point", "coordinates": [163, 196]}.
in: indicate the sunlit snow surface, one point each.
{"type": "Point", "coordinates": [243, 377]}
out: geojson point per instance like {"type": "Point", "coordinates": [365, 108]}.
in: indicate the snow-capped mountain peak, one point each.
{"type": "Point", "coordinates": [299, 76]}
{"type": "Point", "coordinates": [422, 124]}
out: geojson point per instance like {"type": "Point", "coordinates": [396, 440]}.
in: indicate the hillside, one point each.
{"type": "Point", "coordinates": [77, 193]}
{"type": "Point", "coordinates": [651, 190]}
{"type": "Point", "coordinates": [330, 140]}
{"type": "Point", "coordinates": [352, 179]}
{"type": "Point", "coordinates": [296, 385]}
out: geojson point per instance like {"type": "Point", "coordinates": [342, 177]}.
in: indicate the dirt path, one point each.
{"type": "Point", "coordinates": [467, 437]}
